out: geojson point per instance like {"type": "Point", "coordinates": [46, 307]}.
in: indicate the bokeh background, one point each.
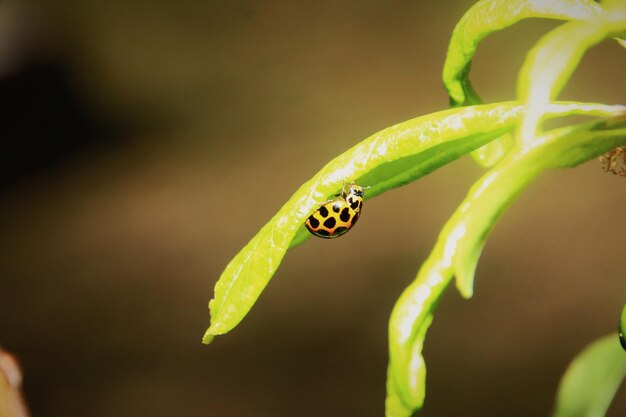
{"type": "Point", "coordinates": [145, 142]}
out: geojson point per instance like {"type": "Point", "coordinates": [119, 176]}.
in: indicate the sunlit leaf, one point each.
{"type": "Point", "coordinates": [461, 241]}
{"type": "Point", "coordinates": [385, 160]}
{"type": "Point", "coordinates": [390, 158]}
{"type": "Point", "coordinates": [489, 16]}
{"type": "Point", "coordinates": [482, 19]}
{"type": "Point", "coordinates": [550, 64]}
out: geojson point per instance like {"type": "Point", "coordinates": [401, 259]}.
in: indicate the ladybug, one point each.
{"type": "Point", "coordinates": [335, 217]}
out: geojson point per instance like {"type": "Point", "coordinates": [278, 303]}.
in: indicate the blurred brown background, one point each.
{"type": "Point", "coordinates": [144, 143]}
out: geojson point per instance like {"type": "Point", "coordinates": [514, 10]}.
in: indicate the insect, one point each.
{"type": "Point", "coordinates": [335, 217]}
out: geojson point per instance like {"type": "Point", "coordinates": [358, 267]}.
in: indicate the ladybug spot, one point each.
{"type": "Point", "coordinates": [345, 215]}
{"type": "Point", "coordinates": [322, 232]}
{"type": "Point", "coordinates": [314, 222]}
{"type": "Point", "coordinates": [340, 230]}
{"type": "Point", "coordinates": [336, 207]}
{"type": "Point", "coordinates": [354, 205]}
{"type": "Point", "coordinates": [330, 222]}
{"type": "Point", "coordinates": [323, 211]}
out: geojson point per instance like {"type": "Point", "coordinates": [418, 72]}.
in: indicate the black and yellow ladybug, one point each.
{"type": "Point", "coordinates": [335, 217]}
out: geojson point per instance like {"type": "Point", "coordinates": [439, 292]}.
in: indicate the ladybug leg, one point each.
{"type": "Point", "coordinates": [344, 192]}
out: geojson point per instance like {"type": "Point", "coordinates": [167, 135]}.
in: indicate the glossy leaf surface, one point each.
{"type": "Point", "coordinates": [390, 158]}
{"type": "Point", "coordinates": [489, 16]}
{"type": "Point", "coordinates": [550, 64]}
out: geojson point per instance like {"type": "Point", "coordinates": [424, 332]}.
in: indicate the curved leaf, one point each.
{"type": "Point", "coordinates": [459, 245]}
{"type": "Point", "coordinates": [560, 148]}
{"type": "Point", "coordinates": [482, 19]}
{"type": "Point", "coordinates": [248, 273]}
{"type": "Point", "coordinates": [488, 16]}
{"type": "Point", "coordinates": [388, 159]}
{"type": "Point", "coordinates": [590, 382]}
{"type": "Point", "coordinates": [551, 62]}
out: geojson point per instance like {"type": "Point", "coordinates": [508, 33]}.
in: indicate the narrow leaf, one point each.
{"type": "Point", "coordinates": [459, 245]}
{"type": "Point", "coordinates": [390, 158]}
{"type": "Point", "coordinates": [384, 156]}
{"type": "Point", "coordinates": [488, 16]}
{"type": "Point", "coordinates": [551, 62]}
{"type": "Point", "coordinates": [482, 19]}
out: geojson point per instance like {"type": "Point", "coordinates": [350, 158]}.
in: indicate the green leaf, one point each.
{"type": "Point", "coordinates": [390, 158]}
{"type": "Point", "coordinates": [381, 162]}
{"type": "Point", "coordinates": [484, 18]}
{"type": "Point", "coordinates": [551, 62]}
{"type": "Point", "coordinates": [461, 241]}
{"type": "Point", "coordinates": [488, 16]}
{"type": "Point", "coordinates": [590, 382]}
{"type": "Point", "coordinates": [486, 200]}
{"type": "Point", "coordinates": [489, 155]}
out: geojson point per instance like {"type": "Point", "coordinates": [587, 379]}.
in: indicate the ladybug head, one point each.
{"type": "Point", "coordinates": [355, 189]}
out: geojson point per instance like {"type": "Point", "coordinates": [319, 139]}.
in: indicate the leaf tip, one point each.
{"type": "Point", "coordinates": [465, 286]}
{"type": "Point", "coordinates": [208, 337]}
